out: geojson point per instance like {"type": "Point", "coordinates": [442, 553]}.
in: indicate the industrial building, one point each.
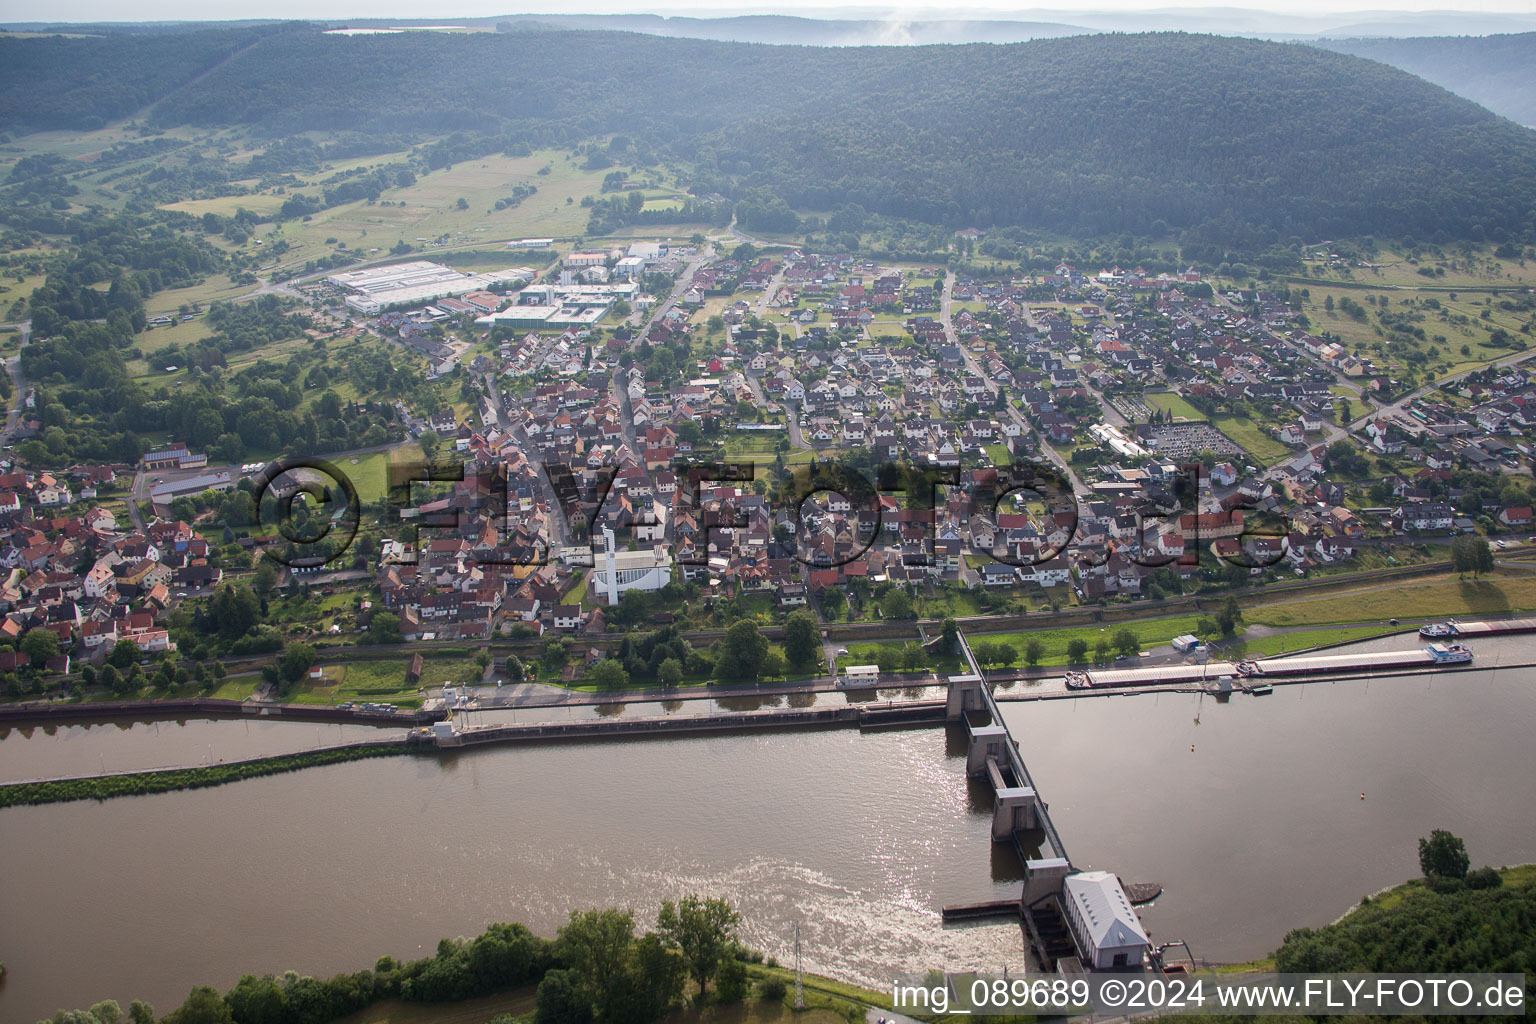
{"type": "Point", "coordinates": [398, 284]}
{"type": "Point", "coordinates": [1104, 925]}
{"type": "Point", "coordinates": [162, 495]}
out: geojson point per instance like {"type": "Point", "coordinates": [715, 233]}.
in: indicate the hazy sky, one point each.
{"type": "Point", "coordinates": [168, 10]}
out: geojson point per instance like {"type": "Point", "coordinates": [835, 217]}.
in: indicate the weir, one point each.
{"type": "Point", "coordinates": [1017, 807]}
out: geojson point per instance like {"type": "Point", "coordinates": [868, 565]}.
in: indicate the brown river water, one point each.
{"type": "Point", "coordinates": [859, 838]}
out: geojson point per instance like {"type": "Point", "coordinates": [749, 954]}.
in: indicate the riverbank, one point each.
{"type": "Point", "coordinates": [104, 787]}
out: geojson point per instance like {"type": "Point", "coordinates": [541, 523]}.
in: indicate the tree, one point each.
{"type": "Point", "coordinates": [1471, 553]}
{"type": "Point", "coordinates": [297, 658]}
{"type": "Point", "coordinates": [1126, 641]}
{"type": "Point", "coordinates": [1101, 650]}
{"type": "Point", "coordinates": [669, 672]}
{"type": "Point", "coordinates": [124, 653]}
{"type": "Point", "coordinates": [40, 644]}
{"type": "Point", "coordinates": [773, 666]}
{"type": "Point", "coordinates": [802, 638]}
{"type": "Point", "coordinates": [1006, 654]}
{"type": "Point", "coordinates": [608, 674]}
{"type": "Point", "coordinates": [742, 651]}
{"type": "Point", "coordinates": [951, 634]}
{"type": "Point", "coordinates": [1443, 855]}
{"type": "Point", "coordinates": [140, 1012]}
{"type": "Point", "coordinates": [235, 610]}
{"type": "Point", "coordinates": [256, 1000]}
{"type": "Point", "coordinates": [265, 579]}
{"type": "Point", "coordinates": [429, 442]}
{"type": "Point", "coordinates": [705, 931]}
{"type": "Point", "coordinates": [383, 628]}
{"type": "Point", "coordinates": [596, 943]}
{"type": "Point", "coordinates": [897, 605]}
{"type": "Point", "coordinates": [733, 981]}
{"type": "Point", "coordinates": [1077, 651]}
{"type": "Point", "coordinates": [561, 1000]}
{"type": "Point", "coordinates": [204, 1005]}
{"type": "Point", "coordinates": [1034, 650]}
{"type": "Point", "coordinates": [662, 973]}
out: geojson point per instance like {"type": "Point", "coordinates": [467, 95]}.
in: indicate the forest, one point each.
{"type": "Point", "coordinates": [1226, 138]}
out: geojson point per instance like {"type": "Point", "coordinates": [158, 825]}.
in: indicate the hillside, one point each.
{"type": "Point", "coordinates": [1242, 140]}
{"type": "Point", "coordinates": [1497, 71]}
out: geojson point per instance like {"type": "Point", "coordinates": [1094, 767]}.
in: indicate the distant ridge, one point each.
{"type": "Point", "coordinates": [1237, 139]}
{"type": "Point", "coordinates": [1497, 71]}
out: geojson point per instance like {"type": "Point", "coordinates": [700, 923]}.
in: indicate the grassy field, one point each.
{"type": "Point", "coordinates": [382, 680]}
{"type": "Point", "coordinates": [214, 288]}
{"type": "Point", "coordinates": [1251, 436]}
{"type": "Point", "coordinates": [1425, 598]}
{"type": "Point", "coordinates": [431, 206]}
{"type": "Point", "coordinates": [1283, 642]}
{"type": "Point", "coordinates": [1171, 403]}
{"type": "Point", "coordinates": [1150, 632]}
{"type": "Point", "coordinates": [264, 204]}
{"type": "Point", "coordinates": [237, 687]}
{"type": "Point", "coordinates": [865, 652]}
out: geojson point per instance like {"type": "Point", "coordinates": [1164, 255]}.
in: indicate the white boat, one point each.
{"type": "Point", "coordinates": [1437, 630]}
{"type": "Point", "coordinates": [1449, 654]}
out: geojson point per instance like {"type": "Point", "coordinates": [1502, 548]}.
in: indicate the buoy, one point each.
{"type": "Point", "coordinates": [1362, 796]}
{"type": "Point", "coordinates": [1191, 748]}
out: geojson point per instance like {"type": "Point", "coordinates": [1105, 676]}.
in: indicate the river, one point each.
{"type": "Point", "coordinates": [859, 838]}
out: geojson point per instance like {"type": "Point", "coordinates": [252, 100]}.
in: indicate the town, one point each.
{"type": "Point", "coordinates": [1201, 437]}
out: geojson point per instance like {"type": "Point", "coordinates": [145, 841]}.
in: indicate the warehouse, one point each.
{"type": "Point", "coordinates": [377, 288]}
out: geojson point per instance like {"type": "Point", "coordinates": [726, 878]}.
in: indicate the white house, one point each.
{"type": "Point", "coordinates": [1107, 931]}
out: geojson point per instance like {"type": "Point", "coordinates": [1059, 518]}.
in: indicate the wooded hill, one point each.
{"type": "Point", "coordinates": [1238, 139]}
{"type": "Point", "coordinates": [1497, 71]}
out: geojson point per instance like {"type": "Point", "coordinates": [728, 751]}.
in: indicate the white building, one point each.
{"type": "Point", "coordinates": [1104, 925]}
{"type": "Point", "coordinates": [620, 571]}
{"type": "Point", "coordinates": [374, 288]}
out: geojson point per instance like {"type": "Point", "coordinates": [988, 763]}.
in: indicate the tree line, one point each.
{"type": "Point", "coordinates": [596, 969]}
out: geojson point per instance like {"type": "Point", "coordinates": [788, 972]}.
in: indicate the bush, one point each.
{"type": "Point", "coordinates": [772, 989]}
{"type": "Point", "coordinates": [1484, 878]}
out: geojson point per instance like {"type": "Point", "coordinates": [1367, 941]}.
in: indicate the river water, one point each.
{"type": "Point", "coordinates": [859, 838]}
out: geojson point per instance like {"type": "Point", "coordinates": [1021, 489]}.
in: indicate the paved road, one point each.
{"type": "Point", "coordinates": [704, 255]}
{"type": "Point", "coordinates": [1396, 408]}
{"type": "Point", "coordinates": [557, 518]}
{"type": "Point", "coordinates": [18, 384]}
{"type": "Point", "coordinates": [946, 303]}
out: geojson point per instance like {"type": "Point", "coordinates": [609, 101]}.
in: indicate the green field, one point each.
{"type": "Point", "coordinates": [1425, 598]}
{"type": "Point", "coordinates": [431, 207]}
{"type": "Point", "coordinates": [382, 680]}
{"type": "Point", "coordinates": [1150, 632]}
{"type": "Point", "coordinates": [1251, 436]}
{"type": "Point", "coordinates": [1175, 405]}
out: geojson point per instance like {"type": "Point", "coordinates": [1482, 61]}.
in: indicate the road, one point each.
{"type": "Point", "coordinates": [1280, 339]}
{"type": "Point", "coordinates": [704, 255]}
{"type": "Point", "coordinates": [562, 528]}
{"type": "Point", "coordinates": [946, 303]}
{"type": "Point", "coordinates": [1396, 408]}
{"type": "Point", "coordinates": [18, 384]}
